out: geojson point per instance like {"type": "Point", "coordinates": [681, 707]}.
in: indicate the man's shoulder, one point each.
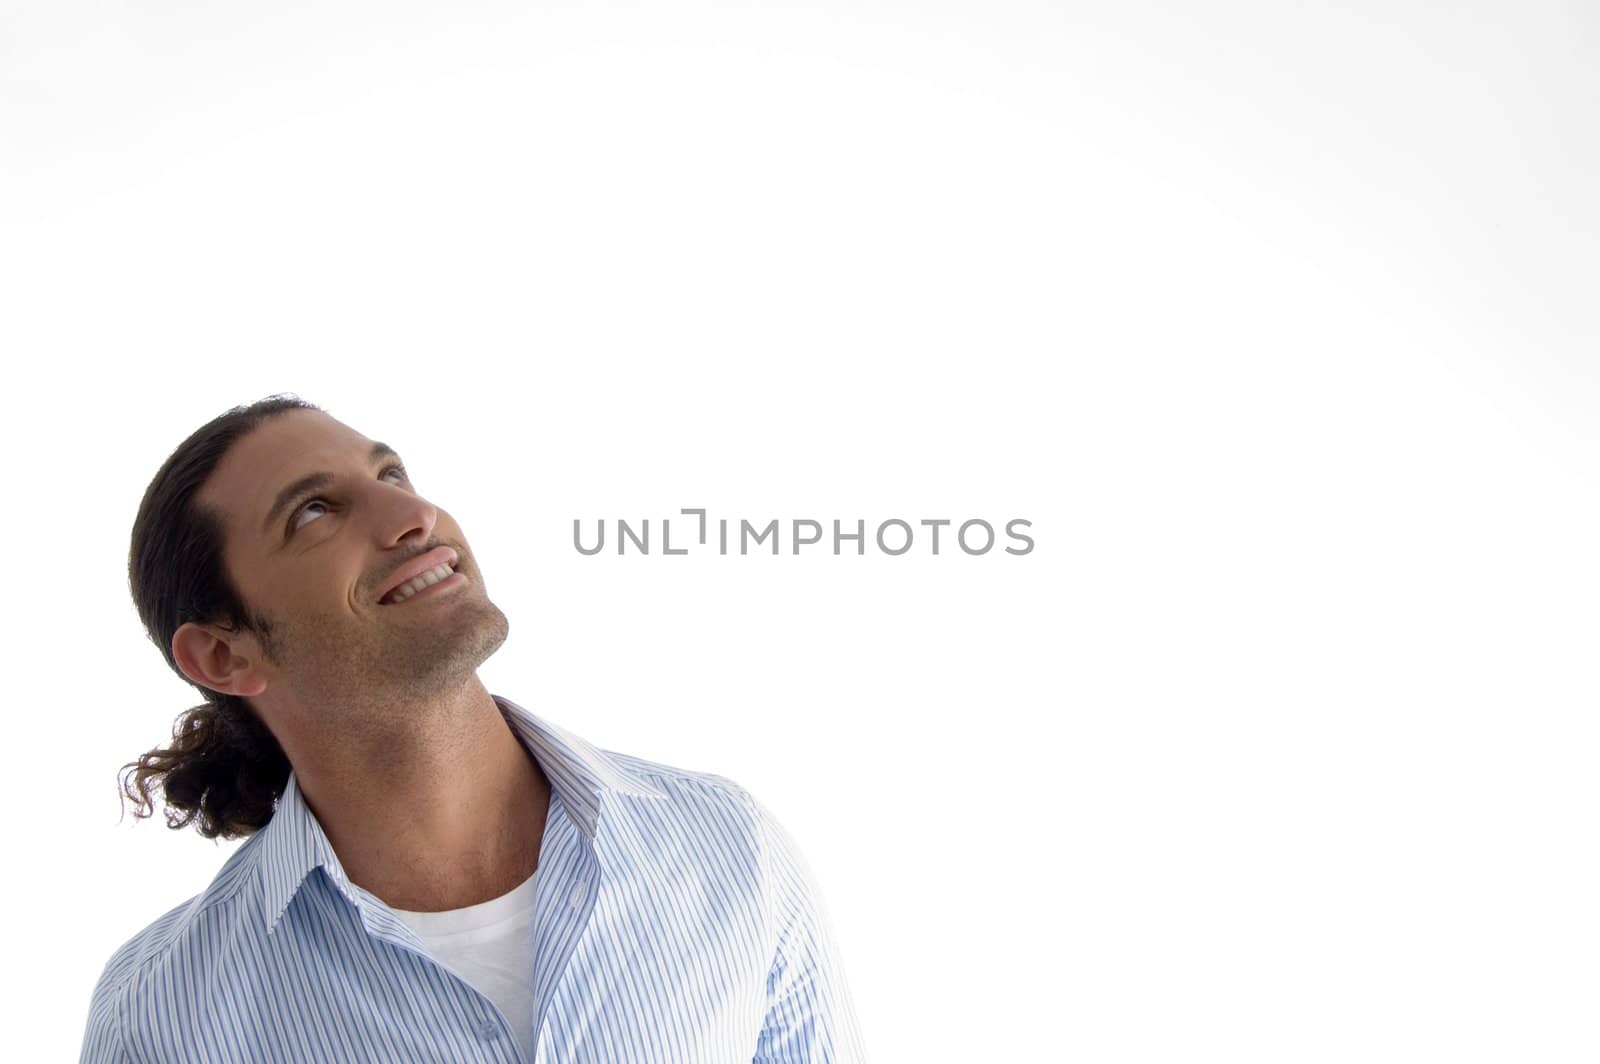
{"type": "Point", "coordinates": [719, 797]}
{"type": "Point", "coordinates": [706, 796]}
{"type": "Point", "coordinates": [687, 785]}
{"type": "Point", "coordinates": [174, 930]}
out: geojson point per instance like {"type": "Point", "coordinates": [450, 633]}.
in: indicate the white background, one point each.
{"type": "Point", "coordinates": [1277, 321]}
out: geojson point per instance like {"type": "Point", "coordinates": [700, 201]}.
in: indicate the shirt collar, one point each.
{"type": "Point", "coordinates": [293, 842]}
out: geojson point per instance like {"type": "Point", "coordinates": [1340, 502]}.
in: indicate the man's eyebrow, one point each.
{"type": "Point", "coordinates": [316, 482]}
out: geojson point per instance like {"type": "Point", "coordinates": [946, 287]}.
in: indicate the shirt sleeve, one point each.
{"type": "Point", "coordinates": [811, 1016]}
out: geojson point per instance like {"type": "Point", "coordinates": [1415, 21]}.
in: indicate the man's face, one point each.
{"type": "Point", "coordinates": [315, 565]}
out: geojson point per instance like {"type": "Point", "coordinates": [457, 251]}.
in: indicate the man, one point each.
{"type": "Point", "coordinates": [431, 871]}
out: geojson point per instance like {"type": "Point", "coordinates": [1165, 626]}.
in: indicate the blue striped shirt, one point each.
{"type": "Point", "coordinates": [675, 920]}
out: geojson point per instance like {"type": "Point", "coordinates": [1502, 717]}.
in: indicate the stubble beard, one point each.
{"type": "Point", "coordinates": [382, 678]}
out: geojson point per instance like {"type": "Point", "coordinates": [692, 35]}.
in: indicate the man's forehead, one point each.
{"type": "Point", "coordinates": [276, 452]}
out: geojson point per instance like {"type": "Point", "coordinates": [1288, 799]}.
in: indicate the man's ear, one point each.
{"type": "Point", "coordinates": [205, 654]}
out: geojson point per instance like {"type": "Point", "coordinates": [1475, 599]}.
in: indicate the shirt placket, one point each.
{"type": "Point", "coordinates": [564, 904]}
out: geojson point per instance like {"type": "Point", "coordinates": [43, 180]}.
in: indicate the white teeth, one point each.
{"type": "Point", "coordinates": [411, 587]}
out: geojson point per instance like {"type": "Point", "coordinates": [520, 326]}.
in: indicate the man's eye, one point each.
{"type": "Point", "coordinates": [319, 501]}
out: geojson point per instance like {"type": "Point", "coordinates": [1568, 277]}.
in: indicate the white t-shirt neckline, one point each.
{"type": "Point", "coordinates": [452, 923]}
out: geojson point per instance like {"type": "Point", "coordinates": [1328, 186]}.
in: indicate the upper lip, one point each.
{"type": "Point", "coordinates": [417, 566]}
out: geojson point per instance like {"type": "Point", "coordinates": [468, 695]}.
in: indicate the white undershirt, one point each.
{"type": "Point", "coordinates": [491, 944]}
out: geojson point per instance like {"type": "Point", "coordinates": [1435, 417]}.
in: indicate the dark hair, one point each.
{"type": "Point", "coordinates": [224, 769]}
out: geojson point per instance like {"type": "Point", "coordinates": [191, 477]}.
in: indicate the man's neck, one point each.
{"type": "Point", "coordinates": [434, 821]}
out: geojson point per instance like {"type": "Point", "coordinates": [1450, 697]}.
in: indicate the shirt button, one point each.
{"type": "Point", "coordinates": [489, 1029]}
{"type": "Point", "coordinates": [577, 896]}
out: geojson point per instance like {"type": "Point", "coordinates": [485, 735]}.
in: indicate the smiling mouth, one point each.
{"type": "Point", "coordinates": [421, 584]}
